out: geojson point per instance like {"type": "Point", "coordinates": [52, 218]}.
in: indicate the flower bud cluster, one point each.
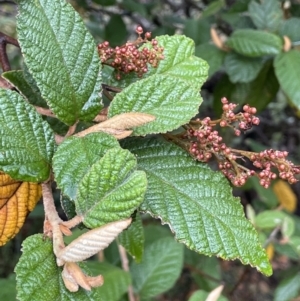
{"type": "Point", "coordinates": [267, 159]}
{"type": "Point", "coordinates": [205, 142]}
{"type": "Point", "coordinates": [240, 121]}
{"type": "Point", "coordinates": [130, 57]}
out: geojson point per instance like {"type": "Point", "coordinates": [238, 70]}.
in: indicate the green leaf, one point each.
{"type": "Point", "coordinates": [288, 76]}
{"type": "Point", "coordinates": [68, 206]}
{"type": "Point", "coordinates": [62, 57]}
{"type": "Point", "coordinates": [26, 86]}
{"type": "Point", "coordinates": [39, 277]}
{"type": "Point", "coordinates": [202, 295]}
{"type": "Point", "coordinates": [263, 88]}
{"type": "Point", "coordinates": [179, 63]}
{"type": "Point", "coordinates": [26, 141]}
{"type": "Point", "coordinates": [159, 269]}
{"type": "Point", "coordinates": [266, 15]}
{"type": "Point", "coordinates": [269, 219]}
{"type": "Point", "coordinates": [171, 100]}
{"type": "Point", "coordinates": [132, 239]}
{"type": "Point", "coordinates": [116, 281]}
{"type": "Point", "coordinates": [212, 55]}
{"type": "Point", "coordinates": [75, 156]}
{"type": "Point", "coordinates": [197, 204]}
{"type": "Point", "coordinates": [213, 8]}
{"type": "Point", "coordinates": [8, 288]}
{"type": "Point", "coordinates": [198, 30]}
{"type": "Point", "coordinates": [289, 288]}
{"type": "Point", "coordinates": [290, 28]}
{"type": "Point", "coordinates": [113, 36]}
{"type": "Point", "coordinates": [242, 68]}
{"type": "Point", "coordinates": [111, 190]}
{"type": "Point", "coordinates": [255, 43]}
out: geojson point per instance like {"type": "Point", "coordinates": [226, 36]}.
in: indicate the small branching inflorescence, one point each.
{"type": "Point", "coordinates": [205, 142]}
{"type": "Point", "coordinates": [130, 57]}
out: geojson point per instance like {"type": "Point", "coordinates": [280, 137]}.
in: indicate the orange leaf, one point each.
{"type": "Point", "coordinates": [285, 195]}
{"type": "Point", "coordinates": [17, 199]}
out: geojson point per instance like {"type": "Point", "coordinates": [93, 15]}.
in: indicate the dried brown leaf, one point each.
{"type": "Point", "coordinates": [91, 242]}
{"type": "Point", "coordinates": [287, 45]}
{"type": "Point", "coordinates": [215, 294]}
{"type": "Point", "coordinates": [119, 125]}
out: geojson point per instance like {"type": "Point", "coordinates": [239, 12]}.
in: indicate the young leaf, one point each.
{"type": "Point", "coordinates": [92, 242]}
{"type": "Point", "coordinates": [75, 156]}
{"type": "Point", "coordinates": [255, 43]}
{"type": "Point", "coordinates": [111, 190]}
{"type": "Point", "coordinates": [179, 63]}
{"type": "Point", "coordinates": [197, 204]}
{"type": "Point", "coordinates": [39, 278]}
{"type": "Point", "coordinates": [132, 239]}
{"type": "Point", "coordinates": [159, 269]}
{"type": "Point", "coordinates": [287, 74]}
{"type": "Point", "coordinates": [62, 57]}
{"type": "Point", "coordinates": [17, 199]}
{"type": "Point", "coordinates": [242, 69]}
{"type": "Point", "coordinates": [171, 100]}
{"type": "Point", "coordinates": [27, 142]}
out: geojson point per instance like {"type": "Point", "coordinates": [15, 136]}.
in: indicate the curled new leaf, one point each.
{"type": "Point", "coordinates": [17, 199]}
{"type": "Point", "coordinates": [92, 242]}
{"type": "Point", "coordinates": [74, 277]}
{"type": "Point", "coordinates": [118, 125]}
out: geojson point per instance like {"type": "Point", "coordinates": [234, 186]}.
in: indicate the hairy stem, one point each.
{"type": "Point", "coordinates": [52, 217]}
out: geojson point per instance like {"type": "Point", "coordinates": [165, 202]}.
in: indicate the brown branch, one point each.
{"type": "Point", "coordinates": [52, 217]}
{"type": "Point", "coordinates": [71, 130]}
{"type": "Point", "coordinates": [111, 88]}
{"type": "Point", "coordinates": [44, 111]}
{"type": "Point", "coordinates": [125, 266]}
{"type": "Point", "coordinates": [4, 40]}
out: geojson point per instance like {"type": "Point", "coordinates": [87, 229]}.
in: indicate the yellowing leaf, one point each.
{"type": "Point", "coordinates": [285, 195]}
{"type": "Point", "coordinates": [17, 199]}
{"type": "Point", "coordinates": [270, 251]}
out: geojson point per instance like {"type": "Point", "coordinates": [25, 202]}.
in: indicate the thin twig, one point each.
{"type": "Point", "coordinates": [125, 266]}
{"type": "Point", "coordinates": [272, 236]}
{"type": "Point", "coordinates": [71, 130]}
{"type": "Point", "coordinates": [195, 270]}
{"type": "Point", "coordinates": [4, 40]}
{"type": "Point", "coordinates": [43, 111]}
{"type": "Point", "coordinates": [76, 220]}
{"type": "Point", "coordinates": [111, 88]}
